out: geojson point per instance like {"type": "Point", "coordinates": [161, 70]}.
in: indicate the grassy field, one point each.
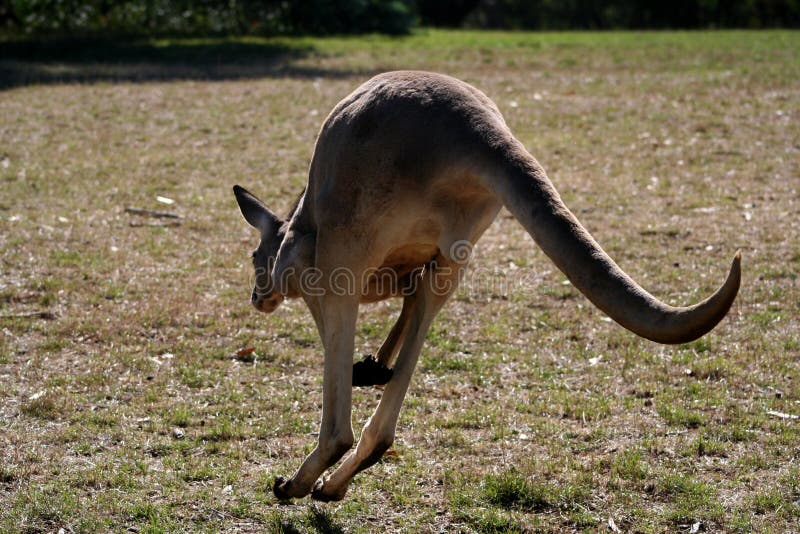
{"type": "Point", "coordinates": [124, 407]}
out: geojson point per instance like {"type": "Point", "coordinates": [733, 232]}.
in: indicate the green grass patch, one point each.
{"type": "Point", "coordinates": [631, 465]}
{"type": "Point", "coordinates": [679, 416]}
{"type": "Point", "coordinates": [514, 491]}
{"type": "Point", "coordinates": [47, 405]}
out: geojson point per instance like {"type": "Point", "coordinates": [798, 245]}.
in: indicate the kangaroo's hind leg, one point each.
{"type": "Point", "coordinates": [437, 284]}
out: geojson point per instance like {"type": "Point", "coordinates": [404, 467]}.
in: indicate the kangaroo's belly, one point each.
{"type": "Point", "coordinates": [398, 273]}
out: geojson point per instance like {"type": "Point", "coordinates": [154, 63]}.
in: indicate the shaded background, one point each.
{"type": "Point", "coordinates": [103, 18]}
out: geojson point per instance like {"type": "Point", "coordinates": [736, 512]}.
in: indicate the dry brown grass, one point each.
{"type": "Point", "coordinates": [529, 411]}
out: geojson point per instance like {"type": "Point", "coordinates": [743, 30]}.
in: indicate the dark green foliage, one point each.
{"type": "Point", "coordinates": [445, 13]}
{"type": "Point", "coordinates": [349, 16]}
{"type": "Point", "coordinates": [632, 14]}
{"type": "Point", "coordinates": [92, 18]}
{"type": "Point", "coordinates": [105, 18]}
{"type": "Point", "coordinates": [83, 18]}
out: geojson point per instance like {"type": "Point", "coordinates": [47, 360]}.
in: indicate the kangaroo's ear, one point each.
{"type": "Point", "coordinates": [255, 212]}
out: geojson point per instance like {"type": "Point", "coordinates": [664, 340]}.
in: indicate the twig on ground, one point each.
{"type": "Point", "coordinates": [153, 213]}
{"type": "Point", "coordinates": [39, 314]}
{"type": "Point", "coordinates": [782, 415]}
{"type": "Point", "coordinates": [134, 224]}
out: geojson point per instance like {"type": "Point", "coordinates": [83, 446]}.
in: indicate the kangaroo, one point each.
{"type": "Point", "coordinates": [408, 170]}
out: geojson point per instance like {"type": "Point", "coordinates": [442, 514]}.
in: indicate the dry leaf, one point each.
{"type": "Point", "coordinates": [247, 354]}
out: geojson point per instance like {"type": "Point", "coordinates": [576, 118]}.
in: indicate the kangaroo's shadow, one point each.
{"type": "Point", "coordinates": [318, 520]}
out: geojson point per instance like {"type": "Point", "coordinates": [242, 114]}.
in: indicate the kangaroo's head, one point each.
{"type": "Point", "coordinates": [266, 295]}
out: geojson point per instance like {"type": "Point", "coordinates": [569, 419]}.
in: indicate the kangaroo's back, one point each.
{"type": "Point", "coordinates": [409, 126]}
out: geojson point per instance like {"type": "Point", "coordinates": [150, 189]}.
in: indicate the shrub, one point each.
{"type": "Point", "coordinates": [92, 18]}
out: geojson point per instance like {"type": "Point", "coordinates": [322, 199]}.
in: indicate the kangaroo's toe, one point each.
{"type": "Point", "coordinates": [325, 493]}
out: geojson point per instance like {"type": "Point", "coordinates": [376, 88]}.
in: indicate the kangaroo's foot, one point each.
{"type": "Point", "coordinates": [284, 491]}
{"type": "Point", "coordinates": [278, 489]}
{"type": "Point", "coordinates": [370, 372]}
{"type": "Point", "coordinates": [325, 492]}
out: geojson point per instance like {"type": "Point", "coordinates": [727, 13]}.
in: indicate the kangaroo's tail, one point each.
{"type": "Point", "coordinates": [520, 182]}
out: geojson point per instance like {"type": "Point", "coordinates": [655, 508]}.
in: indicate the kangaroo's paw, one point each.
{"type": "Point", "coordinates": [325, 493]}
{"type": "Point", "coordinates": [282, 488]}
{"type": "Point", "coordinates": [278, 488]}
{"type": "Point", "coordinates": [370, 372]}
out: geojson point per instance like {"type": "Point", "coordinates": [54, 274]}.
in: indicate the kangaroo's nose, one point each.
{"type": "Point", "coordinates": [254, 297]}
